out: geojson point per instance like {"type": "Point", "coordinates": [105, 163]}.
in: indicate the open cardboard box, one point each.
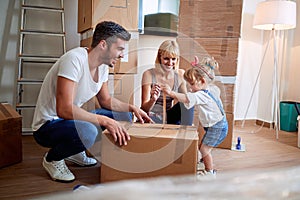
{"type": "Point", "coordinates": [154, 150]}
{"type": "Point", "coordinates": [10, 135]}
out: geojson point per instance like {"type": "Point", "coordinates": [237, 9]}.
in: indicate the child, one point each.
{"type": "Point", "coordinates": [206, 97]}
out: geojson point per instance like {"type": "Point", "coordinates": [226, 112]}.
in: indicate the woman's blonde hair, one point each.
{"type": "Point", "coordinates": [204, 69]}
{"type": "Point", "coordinates": [169, 48]}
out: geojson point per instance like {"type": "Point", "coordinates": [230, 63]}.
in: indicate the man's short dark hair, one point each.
{"type": "Point", "coordinates": [109, 31]}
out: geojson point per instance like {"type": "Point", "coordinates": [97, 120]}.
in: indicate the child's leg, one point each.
{"type": "Point", "coordinates": [207, 157]}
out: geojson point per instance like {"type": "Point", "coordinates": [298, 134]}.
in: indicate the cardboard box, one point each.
{"type": "Point", "coordinates": [224, 50]}
{"type": "Point", "coordinates": [227, 96]}
{"type": "Point", "coordinates": [91, 12]}
{"type": "Point", "coordinates": [124, 89]}
{"type": "Point", "coordinates": [164, 24]}
{"type": "Point", "coordinates": [215, 18]}
{"type": "Point", "coordinates": [152, 151]}
{"type": "Point", "coordinates": [10, 135]}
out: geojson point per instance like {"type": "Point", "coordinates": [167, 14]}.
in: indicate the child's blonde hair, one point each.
{"type": "Point", "coordinates": [204, 69]}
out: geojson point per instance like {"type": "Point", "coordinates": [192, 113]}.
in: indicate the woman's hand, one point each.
{"type": "Point", "coordinates": [166, 88]}
{"type": "Point", "coordinates": [155, 92]}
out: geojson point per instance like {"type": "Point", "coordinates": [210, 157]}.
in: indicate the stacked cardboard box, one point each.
{"type": "Point", "coordinates": [212, 28]}
{"type": "Point", "coordinates": [154, 150]}
{"type": "Point", "coordinates": [91, 12]}
{"type": "Point", "coordinates": [124, 12]}
{"type": "Point", "coordinates": [10, 135]}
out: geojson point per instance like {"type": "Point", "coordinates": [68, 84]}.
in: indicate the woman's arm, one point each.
{"type": "Point", "coordinates": [149, 94]}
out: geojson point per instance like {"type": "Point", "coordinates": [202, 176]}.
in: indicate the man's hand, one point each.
{"type": "Point", "coordinates": [141, 115]}
{"type": "Point", "coordinates": [117, 130]}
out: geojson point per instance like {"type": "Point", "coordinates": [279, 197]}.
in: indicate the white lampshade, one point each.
{"type": "Point", "coordinates": [275, 14]}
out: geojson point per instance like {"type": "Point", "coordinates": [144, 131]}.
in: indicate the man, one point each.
{"type": "Point", "coordinates": [59, 121]}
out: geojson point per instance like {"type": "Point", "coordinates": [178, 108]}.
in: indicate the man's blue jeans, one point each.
{"type": "Point", "coordinates": [69, 137]}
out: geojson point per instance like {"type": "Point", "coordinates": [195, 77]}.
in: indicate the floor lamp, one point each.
{"type": "Point", "coordinates": [274, 15]}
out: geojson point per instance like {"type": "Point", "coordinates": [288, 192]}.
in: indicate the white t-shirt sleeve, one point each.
{"type": "Point", "coordinates": [67, 62]}
{"type": "Point", "coordinates": [196, 98]}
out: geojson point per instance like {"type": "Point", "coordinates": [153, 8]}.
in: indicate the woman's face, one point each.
{"type": "Point", "coordinates": [168, 62]}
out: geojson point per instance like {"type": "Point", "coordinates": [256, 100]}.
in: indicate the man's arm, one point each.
{"type": "Point", "coordinates": [65, 94]}
{"type": "Point", "coordinates": [111, 103]}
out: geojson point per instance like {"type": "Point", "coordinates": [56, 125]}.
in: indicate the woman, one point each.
{"type": "Point", "coordinates": [165, 72]}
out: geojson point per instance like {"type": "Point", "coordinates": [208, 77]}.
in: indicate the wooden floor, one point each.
{"type": "Point", "coordinates": [263, 151]}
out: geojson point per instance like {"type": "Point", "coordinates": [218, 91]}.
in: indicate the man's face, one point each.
{"type": "Point", "coordinates": [114, 52]}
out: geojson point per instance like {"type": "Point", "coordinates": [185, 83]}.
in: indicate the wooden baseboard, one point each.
{"type": "Point", "coordinates": [247, 122]}
{"type": "Point", "coordinates": [265, 124]}
{"type": "Point", "coordinates": [254, 122]}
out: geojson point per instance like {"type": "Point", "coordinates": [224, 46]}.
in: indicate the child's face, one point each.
{"type": "Point", "coordinates": [198, 85]}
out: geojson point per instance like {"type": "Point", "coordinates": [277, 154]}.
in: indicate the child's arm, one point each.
{"type": "Point", "coordinates": [178, 96]}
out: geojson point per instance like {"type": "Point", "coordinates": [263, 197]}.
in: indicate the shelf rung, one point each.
{"type": "Point", "coordinates": [42, 8]}
{"type": "Point", "coordinates": [29, 81]}
{"type": "Point", "coordinates": [22, 106]}
{"type": "Point", "coordinates": [39, 32]}
{"type": "Point", "coordinates": [38, 57]}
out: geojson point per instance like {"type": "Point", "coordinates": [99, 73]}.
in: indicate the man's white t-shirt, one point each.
{"type": "Point", "coordinates": [74, 66]}
{"type": "Point", "coordinates": [209, 112]}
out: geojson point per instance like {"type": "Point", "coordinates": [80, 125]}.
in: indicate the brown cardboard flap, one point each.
{"type": "Point", "coordinates": [6, 111]}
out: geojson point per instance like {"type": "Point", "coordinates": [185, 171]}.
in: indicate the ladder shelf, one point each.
{"type": "Point", "coordinates": [35, 55]}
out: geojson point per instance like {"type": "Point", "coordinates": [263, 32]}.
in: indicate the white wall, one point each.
{"type": "Point", "coordinates": [251, 49]}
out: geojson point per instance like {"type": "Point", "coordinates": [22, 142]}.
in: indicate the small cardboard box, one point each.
{"type": "Point", "coordinates": [10, 135]}
{"type": "Point", "coordinates": [154, 150]}
{"type": "Point", "coordinates": [91, 12]}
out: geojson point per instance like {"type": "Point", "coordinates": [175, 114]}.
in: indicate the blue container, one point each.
{"type": "Point", "coordinates": [288, 116]}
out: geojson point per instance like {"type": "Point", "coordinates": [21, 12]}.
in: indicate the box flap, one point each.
{"type": "Point", "coordinates": [148, 130]}
{"type": "Point", "coordinates": [6, 111]}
